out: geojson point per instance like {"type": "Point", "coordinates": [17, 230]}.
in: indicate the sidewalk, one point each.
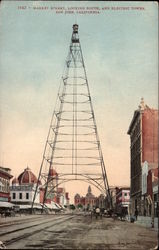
{"type": "Point", "coordinates": [146, 221]}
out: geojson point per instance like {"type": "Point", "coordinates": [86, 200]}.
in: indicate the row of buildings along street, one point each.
{"type": "Point", "coordinates": [90, 178]}
{"type": "Point", "coordinates": [139, 200]}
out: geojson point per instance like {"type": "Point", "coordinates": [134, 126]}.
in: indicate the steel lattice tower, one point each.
{"type": "Point", "coordinates": [72, 147]}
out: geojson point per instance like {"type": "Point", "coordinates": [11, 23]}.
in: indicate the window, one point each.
{"type": "Point", "coordinates": [27, 196]}
{"type": "Point", "coordinates": [1, 185]}
{"type": "Point", "coordinates": [125, 194]}
{"type": "Point", "coordinates": [155, 197]}
{"type": "Point", "coordinates": [20, 196]}
{"type": "Point", "coordinates": [14, 196]}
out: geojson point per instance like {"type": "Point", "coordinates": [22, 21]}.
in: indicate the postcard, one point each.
{"type": "Point", "coordinates": [79, 124]}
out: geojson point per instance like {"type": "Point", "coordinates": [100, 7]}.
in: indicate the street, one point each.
{"type": "Point", "coordinates": [74, 231]}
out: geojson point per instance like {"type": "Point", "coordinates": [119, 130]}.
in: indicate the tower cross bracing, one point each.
{"type": "Point", "coordinates": [73, 147]}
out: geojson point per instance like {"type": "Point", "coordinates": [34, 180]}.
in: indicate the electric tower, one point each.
{"type": "Point", "coordinates": [73, 147]}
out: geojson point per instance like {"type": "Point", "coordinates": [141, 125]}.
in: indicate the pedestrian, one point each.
{"type": "Point", "coordinates": [97, 212]}
{"type": "Point", "coordinates": [101, 214]}
{"type": "Point", "coordinates": [123, 213]}
{"type": "Point", "coordinates": [136, 214]}
{"type": "Point", "coordinates": [144, 212]}
{"type": "Point", "coordinates": [91, 214]}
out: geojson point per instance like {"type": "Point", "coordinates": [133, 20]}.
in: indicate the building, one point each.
{"type": "Point", "coordinates": [89, 201]}
{"type": "Point", "coordinates": [120, 197]}
{"type": "Point", "coordinates": [5, 176]}
{"type": "Point", "coordinates": [79, 200]}
{"type": "Point", "coordinates": [152, 193]}
{"type": "Point", "coordinates": [101, 201]}
{"type": "Point", "coordinates": [23, 188]}
{"type": "Point", "coordinates": [123, 199]}
{"type": "Point", "coordinates": [113, 191]}
{"type": "Point", "coordinates": [62, 197]}
{"type": "Point", "coordinates": [155, 192]}
{"type": "Point", "coordinates": [52, 187]}
{"type": "Point", "coordinates": [143, 131]}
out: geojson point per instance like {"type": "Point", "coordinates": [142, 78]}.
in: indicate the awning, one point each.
{"type": "Point", "coordinates": [58, 206]}
{"type": "Point", "coordinates": [25, 206]}
{"type": "Point", "coordinates": [48, 206]}
{"type": "Point", "coordinates": [29, 206]}
{"type": "Point", "coordinates": [52, 206]}
{"type": "Point", "coordinates": [38, 206]}
{"type": "Point", "coordinates": [6, 204]}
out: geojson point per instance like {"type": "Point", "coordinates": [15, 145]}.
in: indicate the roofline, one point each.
{"type": "Point", "coordinates": [3, 171]}
{"type": "Point", "coordinates": [136, 113]}
{"type": "Point", "coordinates": [124, 188]}
{"type": "Point", "coordinates": [114, 187]}
{"type": "Point", "coordinates": [152, 109]}
{"type": "Point", "coordinates": [5, 168]}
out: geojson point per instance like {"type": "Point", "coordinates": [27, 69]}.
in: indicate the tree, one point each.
{"type": "Point", "coordinates": [80, 205]}
{"type": "Point", "coordinates": [72, 207]}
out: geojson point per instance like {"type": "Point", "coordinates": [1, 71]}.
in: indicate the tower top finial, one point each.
{"type": "Point", "coordinates": [75, 28]}
{"type": "Point", "coordinates": [142, 104]}
{"type": "Point", "coordinates": [89, 190]}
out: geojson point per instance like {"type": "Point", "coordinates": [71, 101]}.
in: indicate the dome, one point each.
{"type": "Point", "coordinates": [52, 172]}
{"type": "Point", "coordinates": [15, 181]}
{"type": "Point", "coordinates": [27, 177]}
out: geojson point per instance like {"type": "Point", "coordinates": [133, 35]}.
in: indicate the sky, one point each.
{"type": "Point", "coordinates": [120, 48]}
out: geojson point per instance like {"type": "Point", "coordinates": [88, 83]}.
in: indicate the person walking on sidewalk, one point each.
{"type": "Point", "coordinates": [97, 212]}
{"type": "Point", "coordinates": [136, 214]}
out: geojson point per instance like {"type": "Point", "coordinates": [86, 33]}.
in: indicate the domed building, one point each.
{"type": "Point", "coordinates": [15, 182]}
{"type": "Point", "coordinates": [88, 201]}
{"type": "Point", "coordinates": [27, 177]}
{"type": "Point", "coordinates": [23, 188]}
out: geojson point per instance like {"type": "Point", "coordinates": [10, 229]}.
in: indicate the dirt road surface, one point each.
{"type": "Point", "coordinates": [74, 231]}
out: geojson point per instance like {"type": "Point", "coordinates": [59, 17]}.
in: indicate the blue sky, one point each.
{"type": "Point", "coordinates": [120, 54]}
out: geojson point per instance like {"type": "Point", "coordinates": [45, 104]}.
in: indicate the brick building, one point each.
{"type": "Point", "coordinates": [143, 131]}
{"type": "Point", "coordinates": [122, 198]}
{"type": "Point", "coordinates": [79, 200]}
{"type": "Point", "coordinates": [88, 201]}
{"type": "Point", "coordinates": [5, 177]}
{"type": "Point", "coordinates": [52, 187]}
